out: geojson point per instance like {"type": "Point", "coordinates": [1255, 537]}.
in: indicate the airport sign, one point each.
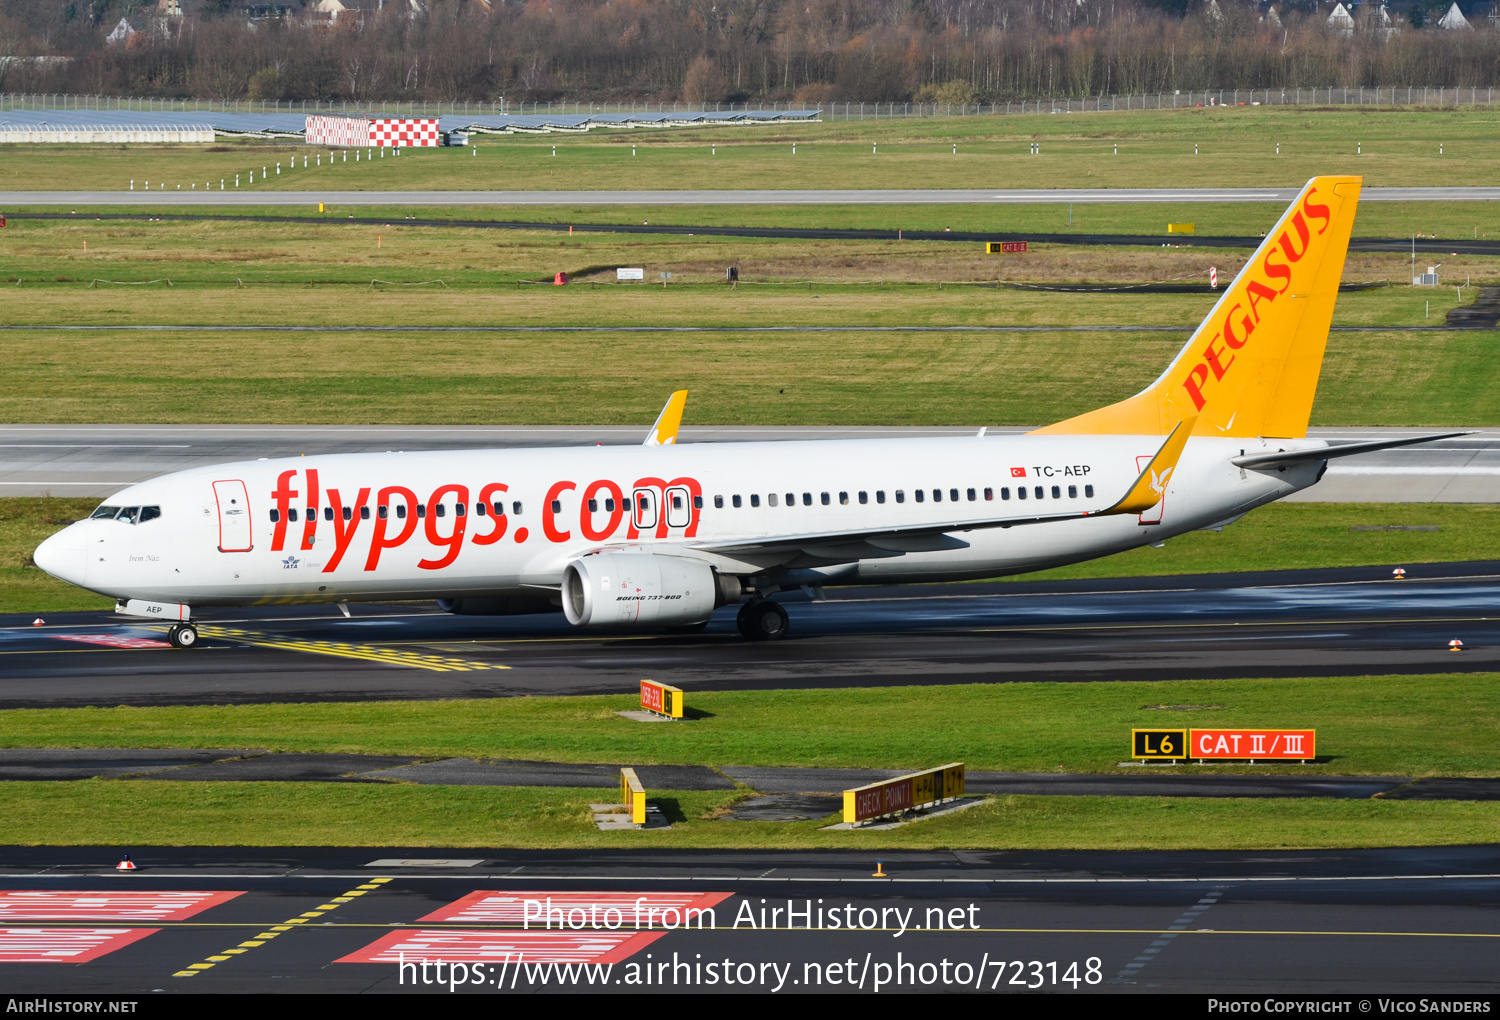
{"type": "Point", "coordinates": [903, 793]}
{"type": "Point", "coordinates": [1254, 745]}
{"type": "Point", "coordinates": [662, 699]}
{"type": "Point", "coordinates": [1159, 744]}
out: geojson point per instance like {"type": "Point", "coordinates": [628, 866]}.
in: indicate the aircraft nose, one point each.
{"type": "Point", "coordinates": [62, 555]}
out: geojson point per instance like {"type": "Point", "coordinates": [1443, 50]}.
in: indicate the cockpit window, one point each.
{"type": "Point", "coordinates": [105, 512]}
{"type": "Point", "coordinates": [151, 513]}
{"type": "Point", "coordinates": [130, 514]}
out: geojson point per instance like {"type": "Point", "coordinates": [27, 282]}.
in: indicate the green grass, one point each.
{"type": "Point", "coordinates": [349, 814]}
{"type": "Point", "coordinates": [1281, 536]}
{"type": "Point", "coordinates": [1381, 725]}
{"type": "Point", "coordinates": [1237, 148]}
{"type": "Point", "coordinates": [787, 379]}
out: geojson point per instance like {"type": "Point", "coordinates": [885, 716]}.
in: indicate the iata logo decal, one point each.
{"type": "Point", "coordinates": [1245, 308]}
{"type": "Point", "coordinates": [290, 563]}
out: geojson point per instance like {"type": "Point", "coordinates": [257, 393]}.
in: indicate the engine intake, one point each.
{"type": "Point", "coordinates": [642, 590]}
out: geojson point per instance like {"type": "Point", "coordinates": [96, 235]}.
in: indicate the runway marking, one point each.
{"type": "Point", "coordinates": [65, 945]}
{"type": "Point", "coordinates": [112, 640]}
{"type": "Point", "coordinates": [275, 930]}
{"type": "Point", "coordinates": [136, 905]}
{"type": "Point", "coordinates": [1132, 970]}
{"type": "Point", "coordinates": [502, 947]}
{"type": "Point", "coordinates": [345, 650]}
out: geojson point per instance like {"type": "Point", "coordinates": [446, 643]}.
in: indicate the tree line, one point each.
{"type": "Point", "coordinates": [723, 50]}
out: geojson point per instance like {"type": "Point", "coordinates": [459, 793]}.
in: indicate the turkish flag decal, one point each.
{"type": "Point", "coordinates": [1018, 472]}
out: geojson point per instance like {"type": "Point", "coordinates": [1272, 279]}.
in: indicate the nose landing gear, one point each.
{"type": "Point", "coordinates": [762, 620]}
{"type": "Point", "coordinates": [183, 635]}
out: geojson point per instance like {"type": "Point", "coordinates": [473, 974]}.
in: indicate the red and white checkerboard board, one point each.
{"type": "Point", "coordinates": [388, 132]}
{"type": "Point", "coordinates": [134, 905]}
{"type": "Point", "coordinates": [65, 945]}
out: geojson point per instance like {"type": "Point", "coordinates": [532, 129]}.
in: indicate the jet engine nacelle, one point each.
{"type": "Point", "coordinates": [642, 590]}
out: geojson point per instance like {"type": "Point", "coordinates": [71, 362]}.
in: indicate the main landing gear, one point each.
{"type": "Point", "coordinates": [762, 620]}
{"type": "Point", "coordinates": [183, 635]}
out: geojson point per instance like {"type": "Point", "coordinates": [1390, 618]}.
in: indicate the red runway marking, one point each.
{"type": "Point", "coordinates": [487, 906]}
{"type": "Point", "coordinates": [136, 905]}
{"type": "Point", "coordinates": [499, 947]}
{"type": "Point", "coordinates": [65, 945]}
{"type": "Point", "coordinates": [113, 640]}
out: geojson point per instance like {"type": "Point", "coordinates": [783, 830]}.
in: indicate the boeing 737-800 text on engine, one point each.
{"type": "Point", "coordinates": [660, 535]}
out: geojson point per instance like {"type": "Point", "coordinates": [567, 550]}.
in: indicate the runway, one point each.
{"type": "Point", "coordinates": [99, 460]}
{"type": "Point", "coordinates": [1351, 621]}
{"type": "Point", "coordinates": [287, 919]}
{"type": "Point", "coordinates": [935, 196]}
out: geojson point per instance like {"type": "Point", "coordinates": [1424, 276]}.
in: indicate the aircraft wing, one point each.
{"type": "Point", "coordinates": [1286, 458]}
{"type": "Point", "coordinates": [1144, 493]}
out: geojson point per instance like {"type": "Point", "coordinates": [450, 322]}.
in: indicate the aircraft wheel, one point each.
{"type": "Point", "coordinates": [183, 635]}
{"type": "Point", "coordinates": [763, 621]}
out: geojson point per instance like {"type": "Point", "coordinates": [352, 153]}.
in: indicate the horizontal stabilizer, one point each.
{"type": "Point", "coordinates": [1286, 458]}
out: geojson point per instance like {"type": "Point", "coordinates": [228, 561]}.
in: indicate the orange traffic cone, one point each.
{"type": "Point", "coordinates": [126, 864]}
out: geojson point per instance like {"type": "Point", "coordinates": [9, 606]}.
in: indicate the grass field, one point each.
{"type": "Point", "coordinates": [351, 814]}
{"type": "Point", "coordinates": [1236, 148]}
{"type": "Point", "coordinates": [1379, 725]}
{"type": "Point", "coordinates": [788, 379]}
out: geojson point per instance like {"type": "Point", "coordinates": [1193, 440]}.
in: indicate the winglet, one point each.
{"type": "Point", "coordinates": [1151, 486]}
{"type": "Point", "coordinates": [664, 432]}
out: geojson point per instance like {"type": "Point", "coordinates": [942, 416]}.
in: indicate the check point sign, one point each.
{"type": "Point", "coordinates": [1224, 745]}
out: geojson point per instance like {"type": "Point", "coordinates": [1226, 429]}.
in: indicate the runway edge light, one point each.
{"type": "Point", "coordinates": [126, 864]}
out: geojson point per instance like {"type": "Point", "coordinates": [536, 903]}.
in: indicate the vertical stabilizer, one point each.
{"type": "Point", "coordinates": [1251, 368]}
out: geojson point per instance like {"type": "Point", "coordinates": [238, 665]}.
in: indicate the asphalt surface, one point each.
{"type": "Point", "coordinates": [969, 196]}
{"type": "Point", "coordinates": [1452, 246]}
{"type": "Point", "coordinates": [98, 460]}
{"type": "Point", "coordinates": [1345, 622]}
{"type": "Point", "coordinates": [285, 919]}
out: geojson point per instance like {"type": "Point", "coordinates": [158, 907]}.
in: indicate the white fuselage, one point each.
{"type": "Point", "coordinates": [217, 543]}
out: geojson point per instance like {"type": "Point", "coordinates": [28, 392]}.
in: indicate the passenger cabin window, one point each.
{"type": "Point", "coordinates": [401, 511]}
{"type": "Point", "coordinates": [291, 513]}
{"type": "Point", "coordinates": [735, 499]}
{"type": "Point", "coordinates": [421, 511]}
{"type": "Point", "coordinates": [459, 509]}
{"type": "Point", "coordinates": [515, 508]}
{"type": "Point", "coordinates": [1021, 491]}
{"type": "Point", "coordinates": [328, 513]}
{"type": "Point", "coordinates": [364, 513]}
{"type": "Point", "coordinates": [1072, 492]}
{"type": "Point", "coordinates": [609, 505]}
{"type": "Point", "coordinates": [105, 513]}
{"type": "Point", "coordinates": [1088, 491]}
{"type": "Point", "coordinates": [901, 496]}
{"type": "Point", "coordinates": [676, 504]}
{"type": "Point", "coordinates": [275, 515]}
{"type": "Point", "coordinates": [937, 495]}
{"type": "Point", "coordinates": [806, 498]}
{"type": "Point", "coordinates": [698, 502]}
{"type": "Point", "coordinates": [1057, 492]}
{"type": "Point", "coordinates": [557, 506]}
{"type": "Point", "coordinates": [440, 510]}
{"type": "Point", "coordinates": [499, 508]}
{"type": "Point", "coordinates": [1004, 492]}
{"type": "Point", "coordinates": [953, 494]}
{"type": "Point", "coordinates": [822, 497]}
{"type": "Point", "coordinates": [1040, 492]}
{"type": "Point", "coordinates": [593, 506]}
{"type": "Point", "coordinates": [864, 497]}
{"type": "Point", "coordinates": [718, 502]}
{"type": "Point", "coordinates": [384, 512]}
{"type": "Point", "coordinates": [151, 513]}
{"type": "Point", "coordinates": [880, 495]}
{"type": "Point", "coordinates": [921, 495]}
{"type": "Point", "coordinates": [479, 509]}
{"type": "Point", "coordinates": [988, 493]}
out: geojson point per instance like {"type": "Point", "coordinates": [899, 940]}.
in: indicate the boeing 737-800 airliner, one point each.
{"type": "Point", "coordinates": [660, 535]}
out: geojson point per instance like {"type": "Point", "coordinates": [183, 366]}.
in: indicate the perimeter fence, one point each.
{"type": "Point", "coordinates": [1418, 96]}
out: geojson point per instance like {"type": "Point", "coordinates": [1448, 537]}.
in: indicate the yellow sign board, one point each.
{"type": "Point", "coordinates": [1169, 745]}
{"type": "Point", "coordinates": [904, 793]}
{"type": "Point", "coordinates": [633, 796]}
{"type": "Point", "coordinates": [1181, 228]}
{"type": "Point", "coordinates": [663, 699]}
